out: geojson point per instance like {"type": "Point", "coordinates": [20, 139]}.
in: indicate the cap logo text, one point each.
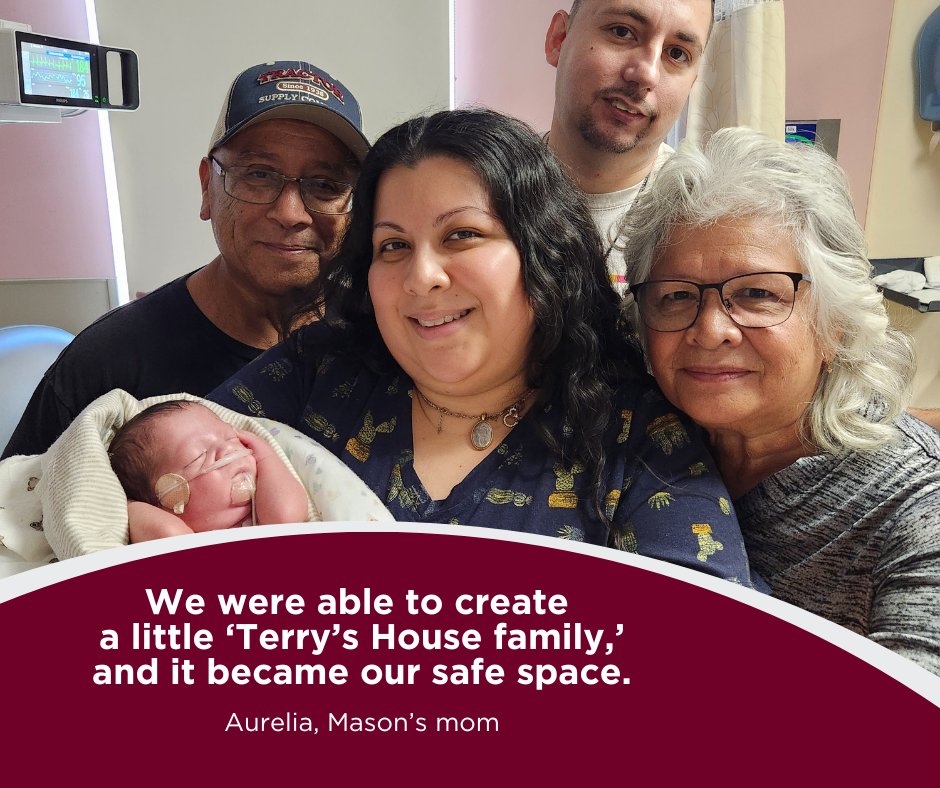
{"type": "Point", "coordinates": [304, 74]}
{"type": "Point", "coordinates": [302, 87]}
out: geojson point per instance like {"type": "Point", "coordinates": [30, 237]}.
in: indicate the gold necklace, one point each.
{"type": "Point", "coordinates": [481, 434]}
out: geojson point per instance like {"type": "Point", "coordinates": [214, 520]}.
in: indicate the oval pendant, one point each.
{"type": "Point", "coordinates": [481, 436]}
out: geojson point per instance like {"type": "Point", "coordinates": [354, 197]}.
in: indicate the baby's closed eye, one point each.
{"type": "Point", "coordinates": [197, 462]}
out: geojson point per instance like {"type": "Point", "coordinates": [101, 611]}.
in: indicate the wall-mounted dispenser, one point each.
{"type": "Point", "coordinates": [928, 63]}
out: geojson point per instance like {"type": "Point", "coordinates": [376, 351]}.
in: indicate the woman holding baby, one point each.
{"type": "Point", "coordinates": [478, 372]}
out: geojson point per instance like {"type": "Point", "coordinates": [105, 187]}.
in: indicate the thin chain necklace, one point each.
{"type": "Point", "coordinates": [613, 243]}
{"type": "Point", "coordinates": [481, 434]}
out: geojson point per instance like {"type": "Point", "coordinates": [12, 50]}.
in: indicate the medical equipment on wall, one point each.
{"type": "Point", "coordinates": [928, 65]}
{"type": "Point", "coordinates": [823, 133]}
{"type": "Point", "coordinates": [44, 79]}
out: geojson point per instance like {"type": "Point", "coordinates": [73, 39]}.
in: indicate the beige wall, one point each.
{"type": "Point", "coordinates": [924, 328]}
{"type": "Point", "coordinates": [392, 54]}
{"type": "Point", "coordinates": [904, 202]}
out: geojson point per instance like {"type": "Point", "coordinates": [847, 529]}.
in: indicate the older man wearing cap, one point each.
{"type": "Point", "coordinates": [277, 188]}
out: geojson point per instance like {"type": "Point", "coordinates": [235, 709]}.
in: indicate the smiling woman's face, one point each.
{"type": "Point", "coordinates": [446, 281]}
{"type": "Point", "coordinates": [751, 381]}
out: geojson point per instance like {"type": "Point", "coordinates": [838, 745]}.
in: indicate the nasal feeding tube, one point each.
{"type": "Point", "coordinates": [173, 491]}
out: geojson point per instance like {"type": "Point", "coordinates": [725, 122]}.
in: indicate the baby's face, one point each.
{"type": "Point", "coordinates": [190, 440]}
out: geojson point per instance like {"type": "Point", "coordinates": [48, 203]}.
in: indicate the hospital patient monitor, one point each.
{"type": "Point", "coordinates": [44, 79]}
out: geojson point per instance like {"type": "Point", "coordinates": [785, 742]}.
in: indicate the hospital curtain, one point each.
{"type": "Point", "coordinates": [742, 77]}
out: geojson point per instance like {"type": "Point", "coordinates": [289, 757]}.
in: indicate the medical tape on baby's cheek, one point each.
{"type": "Point", "coordinates": [243, 488]}
{"type": "Point", "coordinates": [173, 490]}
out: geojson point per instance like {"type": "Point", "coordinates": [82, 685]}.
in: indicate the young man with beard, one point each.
{"type": "Point", "coordinates": [625, 70]}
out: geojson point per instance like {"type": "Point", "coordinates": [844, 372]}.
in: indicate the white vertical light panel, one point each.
{"type": "Point", "coordinates": [452, 45]}
{"type": "Point", "coordinates": [110, 178]}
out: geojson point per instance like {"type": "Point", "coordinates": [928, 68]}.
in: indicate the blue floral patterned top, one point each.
{"type": "Point", "coordinates": [661, 490]}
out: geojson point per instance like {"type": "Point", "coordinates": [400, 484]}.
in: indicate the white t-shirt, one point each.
{"type": "Point", "coordinates": [608, 211]}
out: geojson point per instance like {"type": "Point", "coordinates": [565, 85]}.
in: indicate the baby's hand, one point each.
{"type": "Point", "coordinates": [258, 445]}
{"type": "Point", "coordinates": [280, 497]}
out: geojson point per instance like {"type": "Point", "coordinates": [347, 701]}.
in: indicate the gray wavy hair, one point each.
{"type": "Point", "coordinates": [742, 174]}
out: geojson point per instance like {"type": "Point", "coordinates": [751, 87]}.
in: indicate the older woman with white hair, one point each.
{"type": "Point", "coordinates": [752, 296]}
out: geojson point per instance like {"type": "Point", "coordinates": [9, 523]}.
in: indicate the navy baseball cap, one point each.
{"type": "Point", "coordinates": [295, 90]}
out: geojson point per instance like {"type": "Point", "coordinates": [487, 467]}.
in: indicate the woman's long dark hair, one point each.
{"type": "Point", "coordinates": [578, 347]}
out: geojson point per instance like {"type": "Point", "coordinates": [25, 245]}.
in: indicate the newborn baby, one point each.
{"type": "Point", "coordinates": [185, 471]}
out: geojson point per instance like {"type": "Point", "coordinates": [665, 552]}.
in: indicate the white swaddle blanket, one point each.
{"type": "Point", "coordinates": [68, 502]}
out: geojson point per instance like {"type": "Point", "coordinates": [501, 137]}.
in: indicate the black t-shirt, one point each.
{"type": "Point", "coordinates": [159, 344]}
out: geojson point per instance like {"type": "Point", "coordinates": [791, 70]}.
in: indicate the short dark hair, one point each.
{"type": "Point", "coordinates": [132, 452]}
{"type": "Point", "coordinates": [579, 344]}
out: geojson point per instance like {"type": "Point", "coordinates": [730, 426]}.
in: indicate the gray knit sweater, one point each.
{"type": "Point", "coordinates": [856, 539]}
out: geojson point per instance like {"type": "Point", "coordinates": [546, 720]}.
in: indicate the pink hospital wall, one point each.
{"type": "Point", "coordinates": [53, 204]}
{"type": "Point", "coordinates": [836, 55]}
{"type": "Point", "coordinates": [835, 67]}
{"type": "Point", "coordinates": [499, 57]}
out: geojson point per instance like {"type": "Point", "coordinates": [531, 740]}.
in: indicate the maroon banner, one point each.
{"type": "Point", "coordinates": [430, 659]}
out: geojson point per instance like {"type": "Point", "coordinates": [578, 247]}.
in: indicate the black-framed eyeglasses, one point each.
{"type": "Point", "coordinates": [262, 187]}
{"type": "Point", "coordinates": [757, 300]}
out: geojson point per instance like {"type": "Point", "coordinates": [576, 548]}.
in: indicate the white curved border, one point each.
{"type": "Point", "coordinates": [903, 670]}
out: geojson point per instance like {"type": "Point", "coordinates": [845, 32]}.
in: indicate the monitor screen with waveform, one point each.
{"type": "Point", "coordinates": [56, 71]}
